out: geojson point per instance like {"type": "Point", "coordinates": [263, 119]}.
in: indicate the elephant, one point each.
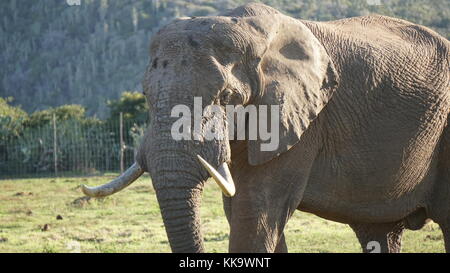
{"type": "Point", "coordinates": [362, 126]}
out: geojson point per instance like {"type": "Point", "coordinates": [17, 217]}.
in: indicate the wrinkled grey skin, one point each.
{"type": "Point", "coordinates": [363, 125]}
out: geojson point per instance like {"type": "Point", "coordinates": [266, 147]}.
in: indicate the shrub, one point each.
{"type": "Point", "coordinates": [12, 119]}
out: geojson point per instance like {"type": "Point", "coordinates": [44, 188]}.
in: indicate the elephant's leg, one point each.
{"type": "Point", "coordinates": [259, 215]}
{"type": "Point", "coordinates": [266, 197]}
{"type": "Point", "coordinates": [446, 232]}
{"type": "Point", "coordinates": [258, 233]}
{"type": "Point", "coordinates": [445, 227]}
{"type": "Point", "coordinates": [385, 238]}
{"type": "Point", "coordinates": [227, 207]}
{"type": "Point", "coordinates": [281, 246]}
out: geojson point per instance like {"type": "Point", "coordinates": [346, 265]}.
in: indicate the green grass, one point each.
{"type": "Point", "coordinates": [130, 221]}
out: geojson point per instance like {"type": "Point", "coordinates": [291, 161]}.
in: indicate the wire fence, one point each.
{"type": "Point", "coordinates": [71, 147]}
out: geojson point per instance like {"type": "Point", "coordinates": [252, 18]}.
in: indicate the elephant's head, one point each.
{"type": "Point", "coordinates": [251, 55]}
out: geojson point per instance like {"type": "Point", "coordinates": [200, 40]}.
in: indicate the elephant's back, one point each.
{"type": "Point", "coordinates": [382, 127]}
{"type": "Point", "coordinates": [380, 46]}
{"type": "Point", "coordinates": [380, 31]}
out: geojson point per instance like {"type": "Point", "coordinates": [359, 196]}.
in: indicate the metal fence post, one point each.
{"type": "Point", "coordinates": [55, 146]}
{"type": "Point", "coordinates": [122, 144]}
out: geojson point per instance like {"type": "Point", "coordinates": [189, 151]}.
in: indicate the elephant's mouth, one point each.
{"type": "Point", "coordinates": [221, 175]}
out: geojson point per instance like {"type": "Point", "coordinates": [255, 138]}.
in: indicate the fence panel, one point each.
{"type": "Point", "coordinates": [80, 149]}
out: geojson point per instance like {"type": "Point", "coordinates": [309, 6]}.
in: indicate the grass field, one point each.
{"type": "Point", "coordinates": [41, 215]}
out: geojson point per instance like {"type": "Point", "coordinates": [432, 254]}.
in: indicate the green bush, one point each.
{"type": "Point", "coordinates": [133, 106]}
{"type": "Point", "coordinates": [12, 119]}
{"type": "Point", "coordinates": [62, 113]}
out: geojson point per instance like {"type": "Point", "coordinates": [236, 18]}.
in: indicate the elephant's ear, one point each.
{"type": "Point", "coordinates": [294, 73]}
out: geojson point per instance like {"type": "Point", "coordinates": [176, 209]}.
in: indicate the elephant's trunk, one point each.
{"type": "Point", "coordinates": [177, 174]}
{"type": "Point", "coordinates": [178, 190]}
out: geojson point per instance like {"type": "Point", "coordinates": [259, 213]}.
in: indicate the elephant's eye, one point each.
{"type": "Point", "coordinates": [226, 96]}
{"type": "Point", "coordinates": [155, 63]}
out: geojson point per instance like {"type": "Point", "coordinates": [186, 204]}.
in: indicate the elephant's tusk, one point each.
{"type": "Point", "coordinates": [121, 182]}
{"type": "Point", "coordinates": [222, 176]}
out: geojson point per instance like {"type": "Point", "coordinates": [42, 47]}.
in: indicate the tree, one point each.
{"type": "Point", "coordinates": [133, 106]}
{"type": "Point", "coordinates": [62, 113]}
{"type": "Point", "coordinates": [59, 54]}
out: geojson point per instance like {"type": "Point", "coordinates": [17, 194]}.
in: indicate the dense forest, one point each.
{"type": "Point", "coordinates": [53, 53]}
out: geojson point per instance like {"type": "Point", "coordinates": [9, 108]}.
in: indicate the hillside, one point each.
{"type": "Point", "coordinates": [54, 54]}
